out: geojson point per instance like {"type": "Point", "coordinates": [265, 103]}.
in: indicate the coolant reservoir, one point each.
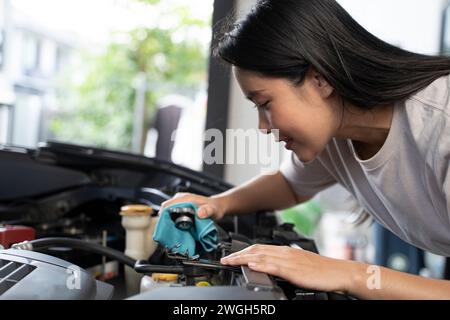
{"type": "Point", "coordinates": [139, 225]}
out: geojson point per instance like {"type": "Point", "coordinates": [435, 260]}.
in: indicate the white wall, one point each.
{"type": "Point", "coordinates": [412, 24]}
{"type": "Point", "coordinates": [27, 114]}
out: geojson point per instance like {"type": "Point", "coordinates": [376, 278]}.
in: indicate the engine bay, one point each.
{"type": "Point", "coordinates": [60, 206]}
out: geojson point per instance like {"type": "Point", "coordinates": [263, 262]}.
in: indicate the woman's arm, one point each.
{"type": "Point", "coordinates": [266, 192]}
{"type": "Point", "coordinates": [312, 271]}
{"type": "Point", "coordinates": [394, 285]}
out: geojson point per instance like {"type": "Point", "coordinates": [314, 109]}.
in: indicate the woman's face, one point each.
{"type": "Point", "coordinates": [307, 116]}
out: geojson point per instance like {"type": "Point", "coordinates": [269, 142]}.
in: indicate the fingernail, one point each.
{"type": "Point", "coordinates": [252, 264]}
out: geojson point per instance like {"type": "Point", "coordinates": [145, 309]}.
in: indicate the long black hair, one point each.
{"type": "Point", "coordinates": [284, 38]}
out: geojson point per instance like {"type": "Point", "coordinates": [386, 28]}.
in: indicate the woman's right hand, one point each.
{"type": "Point", "coordinates": [208, 207]}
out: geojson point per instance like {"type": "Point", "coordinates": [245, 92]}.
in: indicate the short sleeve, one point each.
{"type": "Point", "coordinates": [306, 179]}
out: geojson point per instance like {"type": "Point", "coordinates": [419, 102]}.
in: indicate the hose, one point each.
{"type": "Point", "coordinates": [144, 267]}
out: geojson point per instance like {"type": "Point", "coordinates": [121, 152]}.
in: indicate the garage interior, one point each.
{"type": "Point", "coordinates": [103, 120]}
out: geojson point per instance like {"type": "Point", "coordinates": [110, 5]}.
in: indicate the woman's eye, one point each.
{"type": "Point", "coordinates": [264, 106]}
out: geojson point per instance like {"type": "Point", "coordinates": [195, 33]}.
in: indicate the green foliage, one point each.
{"type": "Point", "coordinates": [98, 110]}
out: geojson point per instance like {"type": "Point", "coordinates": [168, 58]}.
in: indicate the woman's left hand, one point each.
{"type": "Point", "coordinates": [300, 267]}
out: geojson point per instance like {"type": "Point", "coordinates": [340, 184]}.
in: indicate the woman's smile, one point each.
{"type": "Point", "coordinates": [288, 142]}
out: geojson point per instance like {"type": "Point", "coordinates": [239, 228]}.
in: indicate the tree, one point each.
{"type": "Point", "coordinates": [98, 110]}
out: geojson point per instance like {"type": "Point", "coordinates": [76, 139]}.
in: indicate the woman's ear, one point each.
{"type": "Point", "coordinates": [321, 84]}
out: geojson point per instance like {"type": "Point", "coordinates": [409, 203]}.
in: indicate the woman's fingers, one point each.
{"type": "Point", "coordinates": [274, 265]}
{"type": "Point", "coordinates": [206, 211]}
{"type": "Point", "coordinates": [260, 257]}
{"type": "Point", "coordinates": [279, 251]}
{"type": "Point", "coordinates": [182, 197]}
{"type": "Point", "coordinates": [274, 260]}
{"type": "Point", "coordinates": [206, 206]}
{"type": "Point", "coordinates": [301, 268]}
{"type": "Point", "coordinates": [244, 259]}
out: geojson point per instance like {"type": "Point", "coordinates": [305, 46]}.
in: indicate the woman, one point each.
{"type": "Point", "coordinates": [354, 110]}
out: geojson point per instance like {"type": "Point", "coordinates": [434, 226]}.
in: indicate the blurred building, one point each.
{"type": "Point", "coordinates": [31, 56]}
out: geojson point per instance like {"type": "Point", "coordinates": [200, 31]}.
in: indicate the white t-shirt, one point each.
{"type": "Point", "coordinates": [406, 185]}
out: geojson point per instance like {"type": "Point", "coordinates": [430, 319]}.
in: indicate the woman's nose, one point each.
{"type": "Point", "coordinates": [263, 124]}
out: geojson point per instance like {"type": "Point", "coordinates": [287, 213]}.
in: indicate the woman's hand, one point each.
{"type": "Point", "coordinates": [302, 268]}
{"type": "Point", "coordinates": [208, 207]}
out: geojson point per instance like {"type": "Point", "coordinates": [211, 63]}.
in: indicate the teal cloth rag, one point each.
{"type": "Point", "coordinates": [184, 241]}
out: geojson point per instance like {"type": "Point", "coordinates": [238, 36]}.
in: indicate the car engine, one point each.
{"type": "Point", "coordinates": [63, 234]}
